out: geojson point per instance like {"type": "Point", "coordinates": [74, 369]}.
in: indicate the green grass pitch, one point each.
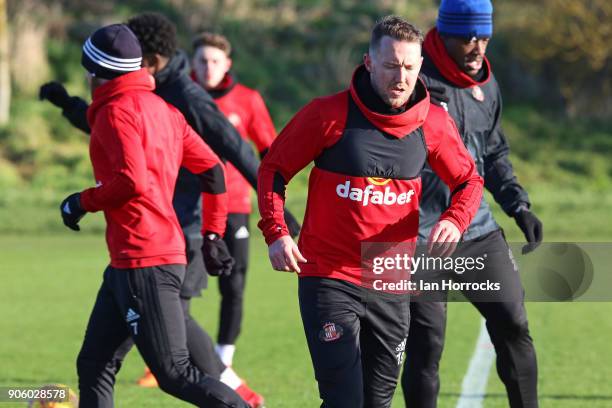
{"type": "Point", "coordinates": [49, 280]}
{"type": "Point", "coordinates": [49, 284]}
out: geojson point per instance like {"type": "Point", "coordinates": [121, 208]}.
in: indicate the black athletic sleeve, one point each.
{"type": "Point", "coordinates": [498, 172]}
{"type": "Point", "coordinates": [208, 121]}
{"type": "Point", "coordinates": [76, 113]}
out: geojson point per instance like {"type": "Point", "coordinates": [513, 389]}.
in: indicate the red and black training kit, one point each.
{"type": "Point", "coordinates": [365, 185]}
{"type": "Point", "coordinates": [365, 151]}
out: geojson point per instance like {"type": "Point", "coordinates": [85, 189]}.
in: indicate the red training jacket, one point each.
{"type": "Point", "coordinates": [245, 109]}
{"type": "Point", "coordinates": [365, 185]}
{"type": "Point", "coordinates": [138, 142]}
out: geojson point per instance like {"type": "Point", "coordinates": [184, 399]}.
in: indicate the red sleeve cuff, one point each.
{"type": "Point", "coordinates": [272, 230]}
{"type": "Point", "coordinates": [86, 201]}
{"type": "Point", "coordinates": [451, 218]}
{"type": "Point", "coordinates": [214, 216]}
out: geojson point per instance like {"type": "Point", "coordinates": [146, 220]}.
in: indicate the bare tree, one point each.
{"type": "Point", "coordinates": [5, 79]}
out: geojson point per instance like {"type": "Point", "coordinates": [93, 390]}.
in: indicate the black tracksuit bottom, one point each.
{"type": "Point", "coordinates": [506, 323]}
{"type": "Point", "coordinates": [232, 287]}
{"type": "Point", "coordinates": [200, 344]}
{"type": "Point", "coordinates": [356, 339]}
{"type": "Point", "coordinates": [143, 306]}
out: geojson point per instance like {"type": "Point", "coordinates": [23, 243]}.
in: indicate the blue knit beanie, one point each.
{"type": "Point", "coordinates": [466, 18]}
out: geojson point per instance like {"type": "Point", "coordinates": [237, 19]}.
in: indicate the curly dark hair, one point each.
{"type": "Point", "coordinates": [157, 34]}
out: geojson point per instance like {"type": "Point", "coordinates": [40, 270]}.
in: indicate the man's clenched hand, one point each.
{"type": "Point", "coordinates": [285, 255]}
{"type": "Point", "coordinates": [443, 239]}
{"type": "Point", "coordinates": [55, 93]}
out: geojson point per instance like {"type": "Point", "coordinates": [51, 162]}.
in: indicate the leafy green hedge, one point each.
{"type": "Point", "coordinates": [42, 156]}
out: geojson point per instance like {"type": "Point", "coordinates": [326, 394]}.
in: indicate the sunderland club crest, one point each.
{"type": "Point", "coordinates": [477, 93]}
{"type": "Point", "coordinates": [330, 332]}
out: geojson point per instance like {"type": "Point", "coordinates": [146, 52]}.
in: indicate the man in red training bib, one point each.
{"type": "Point", "coordinates": [369, 144]}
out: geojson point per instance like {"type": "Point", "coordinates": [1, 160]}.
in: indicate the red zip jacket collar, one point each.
{"type": "Point", "coordinates": [225, 86]}
{"type": "Point", "coordinates": [396, 125]}
{"type": "Point", "coordinates": [134, 81]}
{"type": "Point", "coordinates": [434, 47]}
{"type": "Point", "coordinates": [226, 82]}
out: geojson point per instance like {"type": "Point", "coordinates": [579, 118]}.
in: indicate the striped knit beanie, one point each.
{"type": "Point", "coordinates": [466, 18]}
{"type": "Point", "coordinates": [112, 51]}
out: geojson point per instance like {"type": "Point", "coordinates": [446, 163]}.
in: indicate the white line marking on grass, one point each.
{"type": "Point", "coordinates": [474, 383]}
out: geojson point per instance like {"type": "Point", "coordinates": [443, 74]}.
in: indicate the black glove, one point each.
{"type": "Point", "coordinates": [293, 225]}
{"type": "Point", "coordinates": [72, 212]}
{"type": "Point", "coordinates": [437, 95]}
{"type": "Point", "coordinates": [55, 93]}
{"type": "Point", "coordinates": [217, 258]}
{"type": "Point", "coordinates": [531, 227]}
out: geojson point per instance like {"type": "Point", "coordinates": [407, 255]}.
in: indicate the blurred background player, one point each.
{"type": "Point", "coordinates": [245, 109]}
{"type": "Point", "coordinates": [455, 64]}
{"type": "Point", "coordinates": [380, 131]}
{"type": "Point", "coordinates": [170, 68]}
{"type": "Point", "coordinates": [138, 143]}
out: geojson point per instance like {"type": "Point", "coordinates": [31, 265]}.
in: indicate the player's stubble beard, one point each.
{"type": "Point", "coordinates": [384, 92]}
